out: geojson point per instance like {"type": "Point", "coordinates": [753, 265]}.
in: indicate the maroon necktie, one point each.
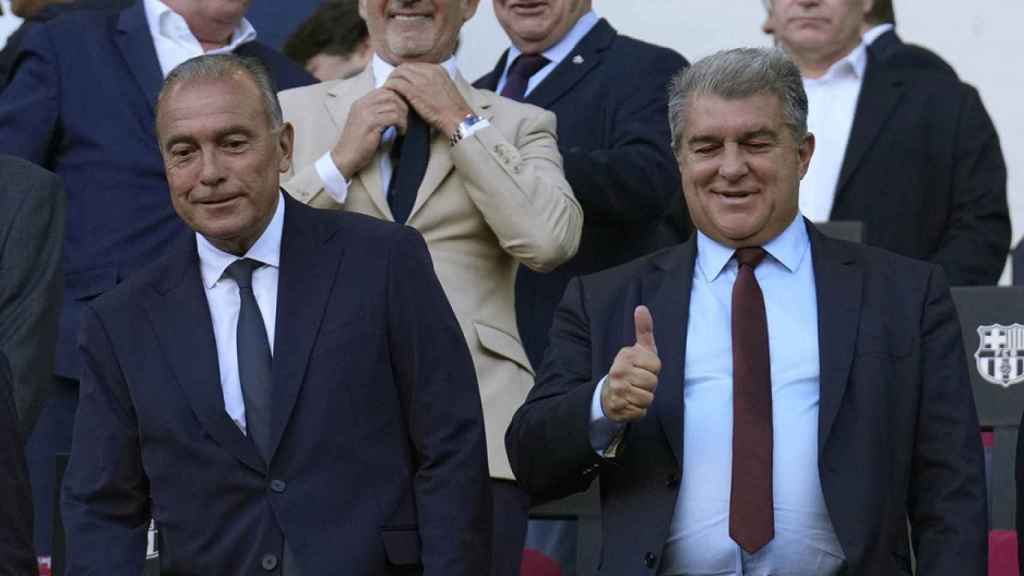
{"type": "Point", "coordinates": [751, 516]}
{"type": "Point", "coordinates": [519, 73]}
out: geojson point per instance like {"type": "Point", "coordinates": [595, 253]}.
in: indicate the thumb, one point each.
{"type": "Point", "coordinates": [644, 328]}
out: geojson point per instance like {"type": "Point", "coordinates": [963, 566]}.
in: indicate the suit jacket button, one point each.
{"type": "Point", "coordinates": [650, 560]}
{"type": "Point", "coordinates": [269, 562]}
{"type": "Point", "coordinates": [278, 486]}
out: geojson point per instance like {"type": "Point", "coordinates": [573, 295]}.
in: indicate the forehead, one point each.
{"type": "Point", "coordinates": [712, 115]}
{"type": "Point", "coordinates": [212, 103]}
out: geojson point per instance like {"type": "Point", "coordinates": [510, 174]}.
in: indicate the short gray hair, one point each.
{"type": "Point", "coordinates": [740, 73]}
{"type": "Point", "coordinates": [221, 67]}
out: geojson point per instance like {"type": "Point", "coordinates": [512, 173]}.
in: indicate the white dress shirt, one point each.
{"type": "Point", "coordinates": [175, 43]}
{"type": "Point", "coordinates": [334, 181]}
{"type": "Point", "coordinates": [833, 104]}
{"type": "Point", "coordinates": [560, 51]}
{"type": "Point", "coordinates": [699, 543]}
{"type": "Point", "coordinates": [225, 302]}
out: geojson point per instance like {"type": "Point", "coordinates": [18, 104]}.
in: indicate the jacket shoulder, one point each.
{"type": "Point", "coordinates": [286, 74]}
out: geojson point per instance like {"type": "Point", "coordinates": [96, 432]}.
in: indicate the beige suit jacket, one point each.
{"type": "Point", "coordinates": [497, 199]}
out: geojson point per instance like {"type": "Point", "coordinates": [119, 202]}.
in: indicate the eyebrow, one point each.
{"type": "Point", "coordinates": [751, 135]}
{"type": "Point", "coordinates": [220, 134]}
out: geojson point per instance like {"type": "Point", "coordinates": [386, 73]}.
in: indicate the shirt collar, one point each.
{"type": "Point", "coordinates": [170, 25]}
{"type": "Point", "coordinates": [871, 35]}
{"type": "Point", "coordinates": [382, 69]}
{"type": "Point", "coordinates": [788, 248]}
{"type": "Point", "coordinates": [855, 62]}
{"type": "Point", "coordinates": [267, 249]}
{"type": "Point", "coordinates": [561, 49]}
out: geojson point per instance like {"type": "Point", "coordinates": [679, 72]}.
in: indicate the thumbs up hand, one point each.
{"type": "Point", "coordinates": [629, 388]}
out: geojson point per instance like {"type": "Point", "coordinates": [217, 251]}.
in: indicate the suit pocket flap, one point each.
{"type": "Point", "coordinates": [89, 283]}
{"type": "Point", "coordinates": [503, 345]}
{"type": "Point", "coordinates": [402, 547]}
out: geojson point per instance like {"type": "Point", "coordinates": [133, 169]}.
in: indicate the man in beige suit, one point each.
{"type": "Point", "coordinates": [493, 195]}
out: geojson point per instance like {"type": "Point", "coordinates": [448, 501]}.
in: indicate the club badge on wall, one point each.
{"type": "Point", "coordinates": [1000, 355]}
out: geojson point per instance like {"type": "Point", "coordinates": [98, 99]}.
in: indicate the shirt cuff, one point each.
{"type": "Point", "coordinates": [605, 435]}
{"type": "Point", "coordinates": [334, 181]}
{"type": "Point", "coordinates": [483, 123]}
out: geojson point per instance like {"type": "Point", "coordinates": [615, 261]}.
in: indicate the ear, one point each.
{"type": "Point", "coordinates": [868, 5]}
{"type": "Point", "coordinates": [805, 151]}
{"type": "Point", "coordinates": [285, 141]}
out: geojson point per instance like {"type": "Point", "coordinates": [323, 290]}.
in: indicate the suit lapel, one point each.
{"type": "Point", "coordinates": [136, 44]}
{"type": "Point", "coordinates": [180, 314]}
{"type": "Point", "coordinates": [340, 99]}
{"type": "Point", "coordinates": [304, 283]}
{"type": "Point", "coordinates": [838, 280]}
{"type": "Point", "coordinates": [666, 292]}
{"type": "Point", "coordinates": [583, 58]}
{"type": "Point", "coordinates": [490, 81]}
{"type": "Point", "coordinates": [877, 101]}
{"type": "Point", "coordinates": [440, 163]}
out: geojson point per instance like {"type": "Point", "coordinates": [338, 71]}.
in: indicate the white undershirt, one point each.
{"type": "Point", "coordinates": [832, 105]}
{"type": "Point", "coordinates": [225, 303]}
{"type": "Point", "coordinates": [174, 41]}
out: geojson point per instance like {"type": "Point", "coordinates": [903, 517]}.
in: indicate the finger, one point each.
{"type": "Point", "coordinates": [639, 398]}
{"type": "Point", "coordinates": [643, 379]}
{"type": "Point", "coordinates": [644, 328]}
{"type": "Point", "coordinates": [645, 360]}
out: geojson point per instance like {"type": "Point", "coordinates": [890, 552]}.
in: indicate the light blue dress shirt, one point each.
{"type": "Point", "coordinates": [560, 51]}
{"type": "Point", "coordinates": [699, 544]}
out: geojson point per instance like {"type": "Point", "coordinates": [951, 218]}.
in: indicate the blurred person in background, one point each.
{"type": "Point", "coordinates": [910, 153]}
{"type": "Point", "coordinates": [333, 43]}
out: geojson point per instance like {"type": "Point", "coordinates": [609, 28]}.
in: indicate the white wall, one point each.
{"type": "Point", "coordinates": [978, 39]}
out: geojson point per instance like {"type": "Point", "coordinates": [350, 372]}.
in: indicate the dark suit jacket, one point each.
{"type": "Point", "coordinates": [924, 171]}
{"type": "Point", "coordinates": [17, 557]}
{"type": "Point", "coordinates": [898, 434]}
{"type": "Point", "coordinates": [81, 103]}
{"type": "Point", "coordinates": [380, 460]}
{"type": "Point", "coordinates": [31, 230]}
{"type": "Point", "coordinates": [613, 134]}
{"type": "Point", "coordinates": [893, 51]}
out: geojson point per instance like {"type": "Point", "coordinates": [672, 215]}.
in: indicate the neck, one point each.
{"type": "Point", "coordinates": [815, 63]}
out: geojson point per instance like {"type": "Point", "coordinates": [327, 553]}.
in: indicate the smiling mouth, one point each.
{"type": "Point", "coordinates": [734, 196]}
{"type": "Point", "coordinates": [410, 17]}
{"type": "Point", "coordinates": [528, 7]}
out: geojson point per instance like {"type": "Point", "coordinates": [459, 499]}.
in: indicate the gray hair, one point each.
{"type": "Point", "coordinates": [221, 67]}
{"type": "Point", "coordinates": [740, 73]}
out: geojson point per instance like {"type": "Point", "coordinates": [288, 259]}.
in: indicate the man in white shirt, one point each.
{"type": "Point", "coordinates": [287, 392]}
{"type": "Point", "coordinates": [910, 153]}
{"type": "Point", "coordinates": [762, 399]}
{"type": "Point", "coordinates": [81, 103]}
{"type": "Point", "coordinates": [480, 176]}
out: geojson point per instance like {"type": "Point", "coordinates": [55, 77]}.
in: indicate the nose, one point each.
{"type": "Point", "coordinates": [211, 173]}
{"type": "Point", "coordinates": [734, 164]}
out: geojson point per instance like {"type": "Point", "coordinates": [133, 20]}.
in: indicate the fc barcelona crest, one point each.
{"type": "Point", "coordinates": [1000, 355]}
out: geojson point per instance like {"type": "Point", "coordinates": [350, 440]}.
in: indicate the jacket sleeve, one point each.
{"type": "Point", "coordinates": [548, 440]}
{"type": "Point", "coordinates": [947, 504]}
{"type": "Point", "coordinates": [105, 495]}
{"type": "Point", "coordinates": [634, 180]}
{"type": "Point", "coordinates": [30, 105]}
{"type": "Point", "coordinates": [520, 189]}
{"type": "Point", "coordinates": [977, 238]}
{"type": "Point", "coordinates": [441, 401]}
{"type": "Point", "coordinates": [30, 290]}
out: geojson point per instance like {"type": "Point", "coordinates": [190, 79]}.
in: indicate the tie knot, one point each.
{"type": "Point", "coordinates": [526, 65]}
{"type": "Point", "coordinates": [751, 256]}
{"type": "Point", "coordinates": [241, 271]}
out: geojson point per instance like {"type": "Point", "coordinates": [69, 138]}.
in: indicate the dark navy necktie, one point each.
{"type": "Point", "coordinates": [254, 358]}
{"type": "Point", "coordinates": [519, 73]}
{"type": "Point", "coordinates": [751, 512]}
{"type": "Point", "coordinates": [410, 154]}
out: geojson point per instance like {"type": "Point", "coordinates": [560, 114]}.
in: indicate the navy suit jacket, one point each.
{"type": "Point", "coordinates": [610, 97]}
{"type": "Point", "coordinates": [81, 103]}
{"type": "Point", "coordinates": [892, 50]}
{"type": "Point", "coordinates": [380, 462]}
{"type": "Point", "coordinates": [924, 170]}
{"type": "Point", "coordinates": [897, 435]}
{"type": "Point", "coordinates": [16, 554]}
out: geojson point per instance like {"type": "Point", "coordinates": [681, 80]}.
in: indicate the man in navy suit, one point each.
{"type": "Point", "coordinates": [287, 391]}
{"type": "Point", "coordinates": [761, 399]}
{"type": "Point", "coordinates": [16, 553]}
{"type": "Point", "coordinates": [608, 92]}
{"type": "Point", "coordinates": [81, 103]}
